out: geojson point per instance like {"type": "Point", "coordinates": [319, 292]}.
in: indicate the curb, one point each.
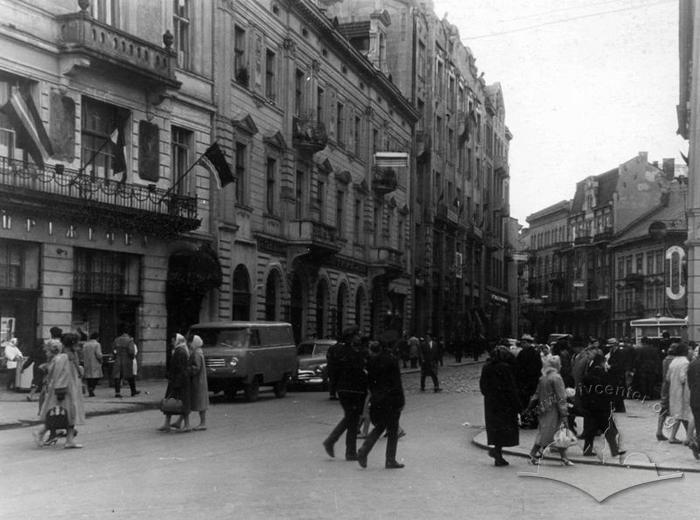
{"type": "Point", "coordinates": [596, 462]}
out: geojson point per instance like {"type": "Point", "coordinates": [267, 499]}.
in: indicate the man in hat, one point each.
{"type": "Point", "coordinates": [618, 361]}
{"type": "Point", "coordinates": [348, 368]}
{"type": "Point", "coordinates": [528, 369]}
{"type": "Point", "coordinates": [429, 357]}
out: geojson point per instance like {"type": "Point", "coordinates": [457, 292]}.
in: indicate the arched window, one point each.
{"type": "Point", "coordinates": [360, 308]}
{"type": "Point", "coordinates": [241, 294]}
{"type": "Point", "coordinates": [271, 296]}
{"type": "Point", "coordinates": [321, 308]}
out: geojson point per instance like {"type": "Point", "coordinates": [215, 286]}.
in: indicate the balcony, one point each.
{"type": "Point", "coordinates": [383, 180]}
{"type": "Point", "coordinates": [387, 261]}
{"type": "Point", "coordinates": [58, 192]}
{"type": "Point", "coordinates": [604, 236]}
{"type": "Point", "coordinates": [319, 239]}
{"type": "Point", "coordinates": [582, 240]}
{"type": "Point", "coordinates": [104, 47]}
{"type": "Point", "coordinates": [309, 135]}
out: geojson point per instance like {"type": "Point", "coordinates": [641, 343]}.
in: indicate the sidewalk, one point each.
{"type": "Point", "coordinates": [16, 411]}
{"type": "Point", "coordinates": [637, 429]}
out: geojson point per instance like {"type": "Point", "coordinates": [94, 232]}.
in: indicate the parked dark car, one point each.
{"type": "Point", "coordinates": [312, 368]}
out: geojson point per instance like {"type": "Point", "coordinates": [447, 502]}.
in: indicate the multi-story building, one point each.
{"type": "Point", "coordinates": [102, 115]}
{"type": "Point", "coordinates": [316, 229]}
{"type": "Point", "coordinates": [460, 204]}
{"type": "Point", "coordinates": [589, 258]}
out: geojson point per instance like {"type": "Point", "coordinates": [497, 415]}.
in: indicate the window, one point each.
{"type": "Point", "coordinates": [639, 263]}
{"type": "Point", "coordinates": [439, 79]}
{"type": "Point", "coordinates": [299, 210]}
{"type": "Point", "coordinates": [240, 308]}
{"type": "Point", "coordinates": [438, 132]}
{"type": "Point", "coordinates": [320, 100]}
{"type": "Point", "coordinates": [181, 26]}
{"type": "Point", "coordinates": [357, 222]}
{"type": "Point", "coordinates": [270, 77]}
{"type": "Point", "coordinates": [321, 200]}
{"type": "Point", "coordinates": [377, 221]}
{"type": "Point", "coordinates": [107, 11]}
{"type": "Point", "coordinates": [241, 180]}
{"type": "Point", "coordinates": [106, 272]}
{"type": "Point", "coordinates": [400, 232]}
{"type": "Point", "coordinates": [271, 174]}
{"type": "Point", "coordinates": [298, 92]}
{"type": "Point", "coordinates": [181, 157]}
{"type": "Point", "coordinates": [421, 59]}
{"type": "Point", "coordinates": [340, 123]}
{"type": "Point", "coordinates": [99, 120]}
{"type": "Point", "coordinates": [375, 140]}
{"type": "Point", "coordinates": [240, 67]}
{"type": "Point", "coordinates": [340, 204]}
{"type": "Point", "coordinates": [356, 134]}
{"type": "Point", "coordinates": [11, 256]}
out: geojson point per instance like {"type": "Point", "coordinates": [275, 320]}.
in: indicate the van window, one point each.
{"type": "Point", "coordinates": [254, 337]}
{"type": "Point", "coordinates": [276, 335]}
{"type": "Point", "coordinates": [235, 338]}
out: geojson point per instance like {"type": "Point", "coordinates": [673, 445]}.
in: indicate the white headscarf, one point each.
{"type": "Point", "coordinates": [196, 342]}
{"type": "Point", "coordinates": [180, 341]}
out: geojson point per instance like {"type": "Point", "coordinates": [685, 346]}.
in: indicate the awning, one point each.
{"type": "Point", "coordinates": [31, 134]}
{"type": "Point", "coordinates": [391, 159]}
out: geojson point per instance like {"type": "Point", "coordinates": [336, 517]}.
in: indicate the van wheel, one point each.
{"type": "Point", "coordinates": [230, 393]}
{"type": "Point", "coordinates": [252, 390]}
{"type": "Point", "coordinates": [281, 387]}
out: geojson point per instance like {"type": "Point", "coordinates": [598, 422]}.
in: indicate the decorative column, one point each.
{"type": "Point", "coordinates": [693, 243]}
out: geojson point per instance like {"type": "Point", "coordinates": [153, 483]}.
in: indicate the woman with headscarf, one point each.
{"type": "Point", "coordinates": [552, 410]}
{"type": "Point", "coordinates": [501, 403]}
{"type": "Point", "coordinates": [200, 390]}
{"type": "Point", "coordinates": [179, 385]}
{"type": "Point", "coordinates": [64, 389]}
{"type": "Point", "coordinates": [13, 355]}
{"type": "Point", "coordinates": [597, 402]}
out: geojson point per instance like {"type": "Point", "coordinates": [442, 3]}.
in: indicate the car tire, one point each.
{"type": "Point", "coordinates": [281, 387]}
{"type": "Point", "coordinates": [252, 390]}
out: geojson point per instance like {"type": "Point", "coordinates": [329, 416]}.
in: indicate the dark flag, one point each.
{"type": "Point", "coordinates": [215, 157]}
{"type": "Point", "coordinates": [118, 157]}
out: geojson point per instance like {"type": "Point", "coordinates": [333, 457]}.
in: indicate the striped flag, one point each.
{"type": "Point", "coordinates": [30, 129]}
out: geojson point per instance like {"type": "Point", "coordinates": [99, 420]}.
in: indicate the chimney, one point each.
{"type": "Point", "coordinates": [644, 156]}
{"type": "Point", "coordinates": [669, 168]}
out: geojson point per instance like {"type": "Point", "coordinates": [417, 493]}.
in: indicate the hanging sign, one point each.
{"type": "Point", "coordinates": [675, 284]}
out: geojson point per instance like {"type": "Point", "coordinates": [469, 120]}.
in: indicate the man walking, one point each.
{"type": "Point", "coordinates": [429, 355]}
{"type": "Point", "coordinates": [348, 368]}
{"type": "Point", "coordinates": [386, 402]}
{"type": "Point", "coordinates": [124, 354]}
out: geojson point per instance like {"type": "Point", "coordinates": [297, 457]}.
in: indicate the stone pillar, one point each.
{"type": "Point", "coordinates": [693, 243]}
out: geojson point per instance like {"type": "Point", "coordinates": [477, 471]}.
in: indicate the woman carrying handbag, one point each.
{"type": "Point", "coordinates": [177, 395]}
{"type": "Point", "coordinates": [552, 411]}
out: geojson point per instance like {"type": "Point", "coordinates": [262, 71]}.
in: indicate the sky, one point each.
{"type": "Point", "coordinates": [587, 85]}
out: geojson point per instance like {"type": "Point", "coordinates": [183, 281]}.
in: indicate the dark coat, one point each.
{"type": "Point", "coordinates": [528, 372]}
{"type": "Point", "coordinates": [347, 367]}
{"type": "Point", "coordinates": [179, 378]}
{"type": "Point", "coordinates": [694, 384]}
{"type": "Point", "coordinates": [501, 405]}
{"type": "Point", "coordinates": [124, 354]}
{"type": "Point", "coordinates": [429, 353]}
{"type": "Point", "coordinates": [386, 391]}
{"type": "Point", "coordinates": [597, 391]}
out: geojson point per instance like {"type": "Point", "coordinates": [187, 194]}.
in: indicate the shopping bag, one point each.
{"type": "Point", "coordinates": [57, 418]}
{"type": "Point", "coordinates": [171, 406]}
{"type": "Point", "coordinates": [564, 438]}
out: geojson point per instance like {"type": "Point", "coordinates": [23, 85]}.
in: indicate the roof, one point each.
{"type": "Point", "coordinates": [607, 185]}
{"type": "Point", "coordinates": [240, 324]}
{"type": "Point", "coordinates": [563, 205]}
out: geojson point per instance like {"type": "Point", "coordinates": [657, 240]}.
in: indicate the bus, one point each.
{"type": "Point", "coordinates": [652, 328]}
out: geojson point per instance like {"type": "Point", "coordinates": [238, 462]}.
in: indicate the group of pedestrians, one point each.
{"type": "Point", "coordinates": [357, 373]}
{"type": "Point", "coordinates": [187, 383]}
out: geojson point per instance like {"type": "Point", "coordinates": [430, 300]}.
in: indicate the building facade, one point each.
{"type": "Point", "coordinates": [460, 206]}
{"type": "Point", "coordinates": [101, 114]}
{"type": "Point", "coordinates": [316, 228]}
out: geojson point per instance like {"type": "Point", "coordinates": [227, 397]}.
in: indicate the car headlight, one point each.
{"type": "Point", "coordinates": [320, 368]}
{"type": "Point", "coordinates": [233, 362]}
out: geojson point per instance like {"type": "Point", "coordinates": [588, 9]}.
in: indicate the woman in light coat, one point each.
{"type": "Point", "coordinates": [64, 389]}
{"type": "Point", "coordinates": [552, 409]}
{"type": "Point", "coordinates": [92, 362]}
{"type": "Point", "coordinates": [200, 389]}
{"type": "Point", "coordinates": [678, 391]}
{"type": "Point", "coordinates": [14, 356]}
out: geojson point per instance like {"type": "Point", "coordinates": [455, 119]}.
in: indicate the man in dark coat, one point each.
{"type": "Point", "coordinates": [694, 387]}
{"type": "Point", "coordinates": [501, 402]}
{"type": "Point", "coordinates": [348, 366]}
{"type": "Point", "coordinates": [647, 369]}
{"type": "Point", "coordinates": [124, 354]}
{"type": "Point", "coordinates": [527, 373]}
{"type": "Point", "coordinates": [386, 402]}
{"type": "Point", "coordinates": [429, 357]}
{"type": "Point", "coordinates": [617, 357]}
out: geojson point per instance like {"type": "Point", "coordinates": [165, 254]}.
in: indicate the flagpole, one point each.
{"type": "Point", "coordinates": [181, 177]}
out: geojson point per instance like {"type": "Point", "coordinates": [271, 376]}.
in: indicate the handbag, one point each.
{"type": "Point", "coordinates": [171, 406]}
{"type": "Point", "coordinates": [564, 438]}
{"type": "Point", "coordinates": [56, 418]}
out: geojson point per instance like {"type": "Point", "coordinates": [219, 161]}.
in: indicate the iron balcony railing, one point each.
{"type": "Point", "coordinates": [22, 177]}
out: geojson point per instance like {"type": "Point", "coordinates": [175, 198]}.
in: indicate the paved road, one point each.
{"type": "Point", "coordinates": [265, 460]}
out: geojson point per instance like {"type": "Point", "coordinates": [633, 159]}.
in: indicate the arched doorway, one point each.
{"type": "Point", "coordinates": [272, 296]}
{"type": "Point", "coordinates": [340, 310]}
{"type": "Point", "coordinates": [296, 310]}
{"type": "Point", "coordinates": [321, 308]}
{"type": "Point", "coordinates": [240, 307]}
{"type": "Point", "coordinates": [360, 302]}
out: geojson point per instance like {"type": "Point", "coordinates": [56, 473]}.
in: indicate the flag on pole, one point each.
{"type": "Point", "coordinates": [214, 158]}
{"type": "Point", "coordinates": [31, 133]}
{"type": "Point", "coordinates": [118, 157]}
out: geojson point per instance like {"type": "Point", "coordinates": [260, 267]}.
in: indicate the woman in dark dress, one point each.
{"type": "Point", "coordinates": [179, 384]}
{"type": "Point", "coordinates": [598, 406]}
{"type": "Point", "coordinates": [501, 403]}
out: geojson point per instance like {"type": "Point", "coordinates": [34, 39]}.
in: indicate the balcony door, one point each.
{"type": "Point", "coordinates": [99, 153]}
